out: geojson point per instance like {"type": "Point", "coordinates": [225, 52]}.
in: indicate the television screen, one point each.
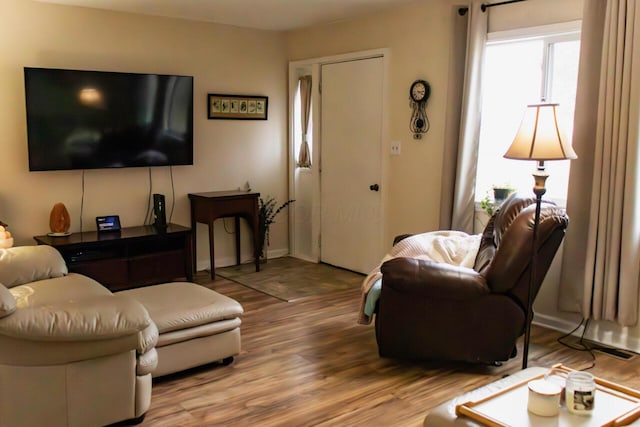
{"type": "Point", "coordinates": [95, 119]}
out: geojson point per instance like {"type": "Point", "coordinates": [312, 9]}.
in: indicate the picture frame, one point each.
{"type": "Point", "coordinates": [237, 107]}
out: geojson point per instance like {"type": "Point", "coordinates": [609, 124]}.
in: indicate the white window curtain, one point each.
{"type": "Point", "coordinates": [304, 156]}
{"type": "Point", "coordinates": [601, 262]}
{"type": "Point", "coordinates": [458, 187]}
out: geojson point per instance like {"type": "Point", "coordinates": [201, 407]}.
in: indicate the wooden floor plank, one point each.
{"type": "Point", "coordinates": [308, 362]}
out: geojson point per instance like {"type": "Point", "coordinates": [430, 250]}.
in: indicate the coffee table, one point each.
{"type": "Point", "coordinates": [504, 403]}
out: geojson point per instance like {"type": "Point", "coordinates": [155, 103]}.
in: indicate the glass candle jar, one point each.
{"type": "Point", "coordinates": [580, 393]}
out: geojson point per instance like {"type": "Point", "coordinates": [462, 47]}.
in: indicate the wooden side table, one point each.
{"type": "Point", "coordinates": [207, 207]}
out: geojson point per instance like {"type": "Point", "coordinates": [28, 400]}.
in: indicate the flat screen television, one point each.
{"type": "Point", "coordinates": [96, 119]}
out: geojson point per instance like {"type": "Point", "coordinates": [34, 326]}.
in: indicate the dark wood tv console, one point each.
{"type": "Point", "coordinates": [132, 257]}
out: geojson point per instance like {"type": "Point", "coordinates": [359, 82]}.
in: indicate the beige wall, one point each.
{"type": "Point", "coordinates": [222, 59]}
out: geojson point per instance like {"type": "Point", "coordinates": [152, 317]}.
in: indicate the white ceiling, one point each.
{"type": "Point", "coordinates": [260, 14]}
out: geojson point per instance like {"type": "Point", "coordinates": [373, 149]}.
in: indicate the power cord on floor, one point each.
{"type": "Point", "coordinates": [582, 345]}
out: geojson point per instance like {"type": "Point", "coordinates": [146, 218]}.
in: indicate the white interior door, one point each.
{"type": "Point", "coordinates": [351, 224]}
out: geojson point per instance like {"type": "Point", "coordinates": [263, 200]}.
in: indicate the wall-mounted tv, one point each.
{"type": "Point", "coordinates": [96, 119]}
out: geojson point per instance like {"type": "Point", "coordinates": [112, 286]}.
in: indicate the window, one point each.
{"type": "Point", "coordinates": [522, 69]}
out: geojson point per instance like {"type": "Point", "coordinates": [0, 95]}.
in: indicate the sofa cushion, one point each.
{"type": "Point", "coordinates": [181, 305]}
{"type": "Point", "coordinates": [7, 302]}
{"type": "Point", "coordinates": [24, 264]}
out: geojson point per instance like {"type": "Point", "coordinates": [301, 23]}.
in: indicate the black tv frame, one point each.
{"type": "Point", "coordinates": [167, 147]}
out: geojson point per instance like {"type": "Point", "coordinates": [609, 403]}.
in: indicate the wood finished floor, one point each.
{"type": "Point", "coordinates": [308, 363]}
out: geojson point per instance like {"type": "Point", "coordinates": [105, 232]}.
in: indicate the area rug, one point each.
{"type": "Point", "coordinates": [290, 279]}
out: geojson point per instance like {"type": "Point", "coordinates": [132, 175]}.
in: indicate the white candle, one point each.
{"type": "Point", "coordinates": [544, 398]}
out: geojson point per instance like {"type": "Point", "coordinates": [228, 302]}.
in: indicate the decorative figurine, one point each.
{"type": "Point", "coordinates": [59, 221]}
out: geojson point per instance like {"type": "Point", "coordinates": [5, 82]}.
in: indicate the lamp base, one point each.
{"type": "Point", "coordinates": [540, 178]}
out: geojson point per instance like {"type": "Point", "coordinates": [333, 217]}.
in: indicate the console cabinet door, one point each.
{"type": "Point", "coordinates": [155, 268]}
{"type": "Point", "coordinates": [111, 273]}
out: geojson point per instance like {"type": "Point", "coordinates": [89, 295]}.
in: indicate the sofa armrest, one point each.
{"type": "Point", "coordinates": [102, 317]}
{"type": "Point", "coordinates": [432, 279]}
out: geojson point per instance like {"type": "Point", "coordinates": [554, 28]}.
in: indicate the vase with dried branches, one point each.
{"type": "Point", "coordinates": [268, 209]}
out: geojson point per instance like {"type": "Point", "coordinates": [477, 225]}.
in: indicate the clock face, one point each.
{"type": "Point", "coordinates": [419, 91]}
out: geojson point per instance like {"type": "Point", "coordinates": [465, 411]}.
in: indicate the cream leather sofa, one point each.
{"type": "Point", "coordinates": [71, 352]}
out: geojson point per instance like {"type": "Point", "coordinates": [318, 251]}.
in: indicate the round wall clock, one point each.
{"type": "Point", "coordinates": [420, 91]}
{"type": "Point", "coordinates": [419, 94]}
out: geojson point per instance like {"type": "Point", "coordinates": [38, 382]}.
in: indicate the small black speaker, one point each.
{"type": "Point", "coordinates": [159, 211]}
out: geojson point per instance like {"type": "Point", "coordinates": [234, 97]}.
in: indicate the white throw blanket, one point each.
{"type": "Point", "coordinates": [449, 247]}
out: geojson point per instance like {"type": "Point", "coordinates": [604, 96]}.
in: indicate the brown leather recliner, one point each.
{"type": "Point", "coordinates": [435, 311]}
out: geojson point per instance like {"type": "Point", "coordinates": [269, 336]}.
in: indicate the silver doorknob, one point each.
{"type": "Point", "coordinates": [374, 187]}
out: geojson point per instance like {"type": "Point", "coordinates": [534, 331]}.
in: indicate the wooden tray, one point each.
{"type": "Point", "coordinates": [615, 405]}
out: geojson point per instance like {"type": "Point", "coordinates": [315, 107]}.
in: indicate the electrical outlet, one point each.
{"type": "Point", "coordinates": [395, 148]}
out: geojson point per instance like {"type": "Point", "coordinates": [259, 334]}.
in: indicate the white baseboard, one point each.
{"type": "Point", "coordinates": [557, 324]}
{"type": "Point", "coordinates": [305, 258]}
{"type": "Point", "coordinates": [597, 332]}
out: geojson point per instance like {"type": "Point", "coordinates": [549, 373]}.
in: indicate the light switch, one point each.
{"type": "Point", "coordinates": [395, 148]}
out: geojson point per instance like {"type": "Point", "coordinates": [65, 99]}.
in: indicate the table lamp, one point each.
{"type": "Point", "coordinates": [539, 138]}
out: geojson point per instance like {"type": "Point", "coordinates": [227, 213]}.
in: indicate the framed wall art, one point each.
{"type": "Point", "coordinates": [237, 107]}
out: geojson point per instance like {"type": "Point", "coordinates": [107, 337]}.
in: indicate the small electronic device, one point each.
{"type": "Point", "coordinates": [159, 211]}
{"type": "Point", "coordinates": [108, 223]}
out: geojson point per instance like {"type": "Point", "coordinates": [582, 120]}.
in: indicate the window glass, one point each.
{"type": "Point", "coordinates": [516, 74]}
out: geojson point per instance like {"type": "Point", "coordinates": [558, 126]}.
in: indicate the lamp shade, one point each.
{"type": "Point", "coordinates": [539, 137]}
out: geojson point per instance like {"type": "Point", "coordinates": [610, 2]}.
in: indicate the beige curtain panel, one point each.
{"type": "Point", "coordinates": [304, 156]}
{"type": "Point", "coordinates": [463, 180]}
{"type": "Point", "coordinates": [601, 262]}
{"type": "Point", "coordinates": [457, 55]}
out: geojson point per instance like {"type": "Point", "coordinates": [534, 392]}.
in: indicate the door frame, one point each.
{"type": "Point", "coordinates": [310, 231]}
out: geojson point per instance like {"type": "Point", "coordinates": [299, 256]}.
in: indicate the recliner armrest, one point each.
{"type": "Point", "coordinates": [431, 279]}
{"type": "Point", "coordinates": [102, 317]}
